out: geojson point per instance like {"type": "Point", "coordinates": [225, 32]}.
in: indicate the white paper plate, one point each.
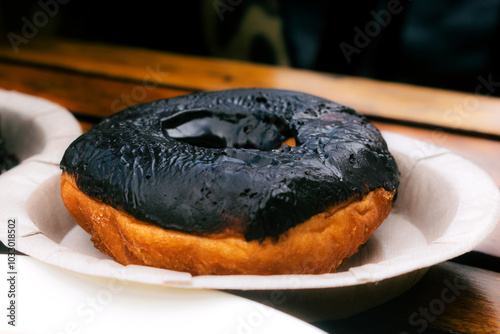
{"type": "Point", "coordinates": [35, 129]}
{"type": "Point", "coordinates": [55, 300]}
{"type": "Point", "coordinates": [446, 206]}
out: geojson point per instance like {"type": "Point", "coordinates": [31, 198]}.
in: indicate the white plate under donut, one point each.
{"type": "Point", "coordinates": [445, 207]}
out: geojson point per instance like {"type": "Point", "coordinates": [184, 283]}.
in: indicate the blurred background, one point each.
{"type": "Point", "coordinates": [453, 44]}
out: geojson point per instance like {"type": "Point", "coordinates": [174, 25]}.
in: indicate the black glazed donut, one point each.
{"type": "Point", "coordinates": [210, 162]}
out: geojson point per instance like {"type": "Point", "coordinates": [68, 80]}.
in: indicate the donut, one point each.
{"type": "Point", "coordinates": [242, 181]}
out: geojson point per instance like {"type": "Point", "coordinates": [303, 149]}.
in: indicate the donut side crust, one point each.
{"type": "Point", "coordinates": [316, 246]}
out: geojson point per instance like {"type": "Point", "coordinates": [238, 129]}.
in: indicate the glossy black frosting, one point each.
{"type": "Point", "coordinates": [205, 162]}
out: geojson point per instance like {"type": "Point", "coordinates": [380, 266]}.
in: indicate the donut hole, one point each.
{"type": "Point", "coordinates": [219, 130]}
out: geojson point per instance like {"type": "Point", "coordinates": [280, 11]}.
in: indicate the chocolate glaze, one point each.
{"type": "Point", "coordinates": [207, 162]}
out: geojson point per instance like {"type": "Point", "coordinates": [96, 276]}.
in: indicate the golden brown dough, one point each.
{"type": "Point", "coordinates": [316, 246]}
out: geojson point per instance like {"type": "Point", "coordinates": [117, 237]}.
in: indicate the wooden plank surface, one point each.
{"type": "Point", "coordinates": [483, 152]}
{"type": "Point", "coordinates": [450, 298]}
{"type": "Point", "coordinates": [98, 95]}
{"type": "Point", "coordinates": [454, 110]}
{"type": "Point", "coordinates": [95, 81]}
{"type": "Point", "coordinates": [81, 94]}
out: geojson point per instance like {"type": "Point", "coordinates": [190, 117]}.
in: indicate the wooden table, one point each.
{"type": "Point", "coordinates": [94, 81]}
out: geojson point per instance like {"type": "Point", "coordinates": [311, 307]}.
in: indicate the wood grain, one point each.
{"type": "Point", "coordinates": [86, 126]}
{"type": "Point", "coordinates": [94, 81]}
{"type": "Point", "coordinates": [455, 110]}
{"type": "Point", "coordinates": [450, 298]}
{"type": "Point", "coordinates": [483, 152]}
{"type": "Point", "coordinates": [82, 94]}
{"type": "Point", "coordinates": [94, 90]}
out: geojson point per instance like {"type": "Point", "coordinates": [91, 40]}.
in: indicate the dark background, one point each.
{"type": "Point", "coordinates": [441, 43]}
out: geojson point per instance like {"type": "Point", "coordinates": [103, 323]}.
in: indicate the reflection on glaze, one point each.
{"type": "Point", "coordinates": [213, 129]}
{"type": "Point", "coordinates": [207, 162]}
